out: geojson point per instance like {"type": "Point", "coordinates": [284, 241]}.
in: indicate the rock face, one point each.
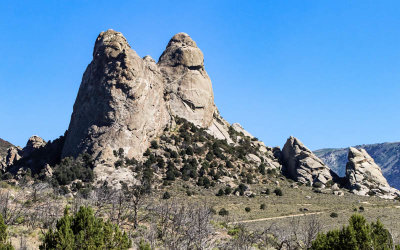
{"type": "Point", "coordinates": [120, 102]}
{"type": "Point", "coordinates": [13, 155]}
{"type": "Point", "coordinates": [302, 165]}
{"type": "Point", "coordinates": [125, 101]}
{"type": "Point", "coordinates": [188, 88]}
{"type": "Point", "coordinates": [365, 177]}
{"type": "Point", "coordinates": [219, 128]}
{"type": "Point", "coordinates": [238, 128]}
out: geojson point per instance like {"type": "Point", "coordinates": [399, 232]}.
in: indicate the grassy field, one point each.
{"type": "Point", "coordinates": [296, 205]}
{"type": "Point", "coordinates": [289, 211]}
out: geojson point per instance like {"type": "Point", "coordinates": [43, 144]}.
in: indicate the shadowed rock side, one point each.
{"type": "Point", "coordinates": [300, 164]}
{"type": "Point", "coordinates": [365, 177]}
{"type": "Point", "coordinates": [14, 154]}
{"type": "Point", "coordinates": [4, 145]}
{"type": "Point", "coordinates": [34, 156]}
{"type": "Point", "coordinates": [120, 102]}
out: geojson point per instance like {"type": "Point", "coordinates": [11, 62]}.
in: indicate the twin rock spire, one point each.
{"type": "Point", "coordinates": [125, 101]}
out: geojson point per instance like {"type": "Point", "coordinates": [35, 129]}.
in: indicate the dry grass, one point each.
{"type": "Point", "coordinates": [292, 202]}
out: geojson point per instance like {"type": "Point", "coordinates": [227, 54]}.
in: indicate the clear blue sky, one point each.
{"type": "Point", "coordinates": [326, 72]}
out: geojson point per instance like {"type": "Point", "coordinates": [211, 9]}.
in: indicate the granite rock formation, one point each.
{"type": "Point", "coordinates": [300, 164]}
{"type": "Point", "coordinates": [365, 177]}
{"type": "Point", "coordinates": [386, 155]}
{"type": "Point", "coordinates": [120, 102]}
{"type": "Point", "coordinates": [125, 101]}
{"type": "Point", "coordinates": [188, 88]}
{"type": "Point", "coordinates": [34, 142]}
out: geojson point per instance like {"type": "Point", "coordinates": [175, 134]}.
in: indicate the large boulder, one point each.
{"type": "Point", "coordinates": [239, 129]}
{"type": "Point", "coordinates": [364, 176]}
{"type": "Point", "coordinates": [300, 164]}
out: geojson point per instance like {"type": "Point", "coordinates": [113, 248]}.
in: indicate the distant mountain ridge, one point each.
{"type": "Point", "coordinates": [386, 155]}
{"type": "Point", "coordinates": [4, 145]}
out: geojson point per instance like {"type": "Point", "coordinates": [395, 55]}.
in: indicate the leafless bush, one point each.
{"type": "Point", "coordinates": [120, 206]}
{"type": "Point", "coordinates": [299, 234]}
{"type": "Point", "coordinates": [45, 214]}
{"type": "Point", "coordinates": [182, 226]}
{"type": "Point", "coordinates": [311, 227]}
{"type": "Point", "coordinates": [12, 206]}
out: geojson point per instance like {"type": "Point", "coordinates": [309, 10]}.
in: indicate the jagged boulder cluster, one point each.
{"type": "Point", "coordinates": [363, 175]}
{"type": "Point", "coordinates": [16, 153]}
{"type": "Point", "coordinates": [35, 156]}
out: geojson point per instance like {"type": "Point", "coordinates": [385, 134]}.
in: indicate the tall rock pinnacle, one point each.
{"type": "Point", "coordinates": [120, 102]}
{"type": "Point", "coordinates": [125, 101]}
{"type": "Point", "coordinates": [188, 88]}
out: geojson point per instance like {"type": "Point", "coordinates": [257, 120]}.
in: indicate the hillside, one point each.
{"type": "Point", "coordinates": [3, 147]}
{"type": "Point", "coordinates": [386, 155]}
{"type": "Point", "coordinates": [189, 181]}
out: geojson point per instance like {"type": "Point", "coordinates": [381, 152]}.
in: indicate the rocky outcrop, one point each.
{"type": "Point", "coordinates": [34, 142]}
{"type": "Point", "coordinates": [385, 155]}
{"type": "Point", "coordinates": [300, 164]}
{"type": "Point", "coordinates": [13, 155]}
{"type": "Point", "coordinates": [364, 176]}
{"type": "Point", "coordinates": [34, 156]}
{"type": "Point", "coordinates": [239, 129]}
{"type": "Point", "coordinates": [4, 146]}
{"type": "Point", "coordinates": [219, 128]}
{"type": "Point", "coordinates": [125, 101]}
{"type": "Point", "coordinates": [188, 88]}
{"type": "Point", "coordinates": [120, 102]}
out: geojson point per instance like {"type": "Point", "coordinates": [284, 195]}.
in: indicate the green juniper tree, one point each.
{"type": "Point", "coordinates": [85, 231]}
{"type": "Point", "coordinates": [357, 235]}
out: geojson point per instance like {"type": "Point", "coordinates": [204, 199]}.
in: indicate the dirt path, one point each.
{"type": "Point", "coordinates": [292, 215]}
{"type": "Point", "coordinates": [276, 218]}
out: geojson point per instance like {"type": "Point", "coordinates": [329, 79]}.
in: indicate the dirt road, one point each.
{"type": "Point", "coordinates": [276, 218]}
